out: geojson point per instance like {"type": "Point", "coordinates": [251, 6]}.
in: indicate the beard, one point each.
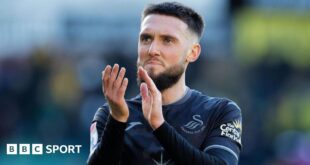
{"type": "Point", "coordinates": [167, 78]}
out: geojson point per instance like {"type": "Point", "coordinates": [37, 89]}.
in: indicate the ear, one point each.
{"type": "Point", "coordinates": [194, 53]}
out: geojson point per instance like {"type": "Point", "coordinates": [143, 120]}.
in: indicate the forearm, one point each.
{"type": "Point", "coordinates": [180, 150]}
{"type": "Point", "coordinates": [110, 147]}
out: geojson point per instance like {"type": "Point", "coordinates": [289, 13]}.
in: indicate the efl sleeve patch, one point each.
{"type": "Point", "coordinates": [93, 137]}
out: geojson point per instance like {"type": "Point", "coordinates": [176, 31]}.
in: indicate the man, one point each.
{"type": "Point", "coordinates": [167, 123]}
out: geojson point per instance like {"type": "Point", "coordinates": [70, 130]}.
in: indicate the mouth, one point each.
{"type": "Point", "coordinates": [153, 62]}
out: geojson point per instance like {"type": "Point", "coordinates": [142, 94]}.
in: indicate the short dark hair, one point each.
{"type": "Point", "coordinates": [193, 20]}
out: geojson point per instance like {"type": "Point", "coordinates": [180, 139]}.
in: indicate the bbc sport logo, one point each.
{"type": "Point", "coordinates": [40, 149]}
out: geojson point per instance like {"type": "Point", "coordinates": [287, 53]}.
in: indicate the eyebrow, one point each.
{"type": "Point", "coordinates": [146, 34]}
{"type": "Point", "coordinates": [168, 36]}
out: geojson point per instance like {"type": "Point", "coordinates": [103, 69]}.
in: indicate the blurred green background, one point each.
{"type": "Point", "coordinates": [255, 52]}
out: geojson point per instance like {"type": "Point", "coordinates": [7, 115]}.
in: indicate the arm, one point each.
{"type": "Point", "coordinates": [222, 146]}
{"type": "Point", "coordinates": [110, 141]}
{"type": "Point", "coordinates": [180, 150]}
{"type": "Point", "coordinates": [184, 153]}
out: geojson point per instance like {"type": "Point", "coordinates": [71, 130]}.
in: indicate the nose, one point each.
{"type": "Point", "coordinates": [154, 49]}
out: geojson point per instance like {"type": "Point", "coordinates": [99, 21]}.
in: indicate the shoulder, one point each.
{"type": "Point", "coordinates": [220, 105]}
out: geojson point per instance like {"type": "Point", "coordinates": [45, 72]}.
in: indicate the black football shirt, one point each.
{"type": "Point", "coordinates": [198, 129]}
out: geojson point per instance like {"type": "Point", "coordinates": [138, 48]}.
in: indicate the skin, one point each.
{"type": "Point", "coordinates": [164, 42]}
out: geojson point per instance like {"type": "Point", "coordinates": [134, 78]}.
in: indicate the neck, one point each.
{"type": "Point", "coordinates": [174, 93]}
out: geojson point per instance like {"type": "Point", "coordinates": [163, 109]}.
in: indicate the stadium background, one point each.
{"type": "Point", "coordinates": [255, 52]}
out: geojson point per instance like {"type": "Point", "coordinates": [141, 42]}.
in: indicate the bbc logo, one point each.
{"type": "Point", "coordinates": [24, 149]}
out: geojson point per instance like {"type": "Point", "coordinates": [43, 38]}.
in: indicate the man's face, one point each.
{"type": "Point", "coordinates": [164, 42]}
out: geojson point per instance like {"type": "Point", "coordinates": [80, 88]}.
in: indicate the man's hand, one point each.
{"type": "Point", "coordinates": [151, 100]}
{"type": "Point", "coordinates": [114, 86]}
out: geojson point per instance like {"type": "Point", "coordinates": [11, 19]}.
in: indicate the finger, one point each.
{"type": "Point", "coordinates": [119, 79]}
{"type": "Point", "coordinates": [146, 100]}
{"type": "Point", "coordinates": [144, 76]}
{"type": "Point", "coordinates": [113, 75]}
{"type": "Point", "coordinates": [106, 72]}
{"type": "Point", "coordinates": [122, 89]}
{"type": "Point", "coordinates": [105, 77]}
{"type": "Point", "coordinates": [144, 91]}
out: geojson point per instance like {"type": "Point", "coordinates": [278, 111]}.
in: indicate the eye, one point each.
{"type": "Point", "coordinates": [145, 39]}
{"type": "Point", "coordinates": [168, 40]}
